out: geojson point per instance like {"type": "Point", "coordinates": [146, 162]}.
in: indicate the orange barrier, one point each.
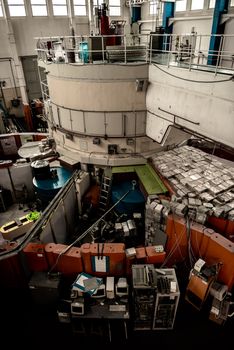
{"type": "Point", "coordinates": [36, 257]}
{"type": "Point", "coordinates": [141, 255]}
{"type": "Point", "coordinates": [177, 242]}
{"type": "Point", "coordinates": [110, 258]}
{"type": "Point", "coordinates": [153, 257]}
{"type": "Point", "coordinates": [50, 250]}
{"type": "Point", "coordinates": [104, 258]}
{"type": "Point", "coordinates": [205, 243]}
{"type": "Point", "coordinates": [221, 250]}
{"type": "Point", "coordinates": [12, 273]}
{"type": "Point", "coordinates": [223, 226]}
{"type": "Point", "coordinates": [69, 263]}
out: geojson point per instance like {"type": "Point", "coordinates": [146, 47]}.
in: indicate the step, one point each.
{"type": "Point", "coordinates": [103, 196]}
{"type": "Point", "coordinates": [104, 191]}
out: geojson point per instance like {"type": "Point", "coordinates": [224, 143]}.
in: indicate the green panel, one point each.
{"type": "Point", "coordinates": [123, 169]}
{"type": "Point", "coordinates": [150, 180]}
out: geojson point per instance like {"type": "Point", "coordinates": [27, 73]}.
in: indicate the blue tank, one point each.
{"type": "Point", "coordinates": [47, 189]}
{"type": "Point", "coordinates": [133, 202]}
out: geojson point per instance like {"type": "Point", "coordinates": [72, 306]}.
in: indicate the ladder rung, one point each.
{"type": "Point", "coordinates": [103, 196]}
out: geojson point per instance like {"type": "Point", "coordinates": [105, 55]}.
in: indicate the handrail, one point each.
{"type": "Point", "coordinates": [190, 51]}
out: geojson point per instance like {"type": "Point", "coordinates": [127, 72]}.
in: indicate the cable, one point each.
{"type": "Point", "coordinates": [86, 232]}
{"type": "Point", "coordinates": [191, 80]}
{"type": "Point", "coordinates": [175, 245]}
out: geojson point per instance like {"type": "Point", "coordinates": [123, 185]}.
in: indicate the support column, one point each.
{"type": "Point", "coordinates": [14, 53]}
{"type": "Point", "coordinates": [221, 7]}
{"type": "Point", "coordinates": [168, 12]}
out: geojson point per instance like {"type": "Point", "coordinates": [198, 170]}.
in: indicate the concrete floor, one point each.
{"type": "Point", "coordinates": [12, 213]}
{"type": "Point", "coordinates": [26, 324]}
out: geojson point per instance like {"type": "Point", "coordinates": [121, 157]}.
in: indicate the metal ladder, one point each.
{"type": "Point", "coordinates": [104, 193]}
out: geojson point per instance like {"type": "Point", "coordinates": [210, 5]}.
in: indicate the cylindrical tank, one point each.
{"type": "Point", "coordinates": [133, 202]}
{"type": "Point", "coordinates": [40, 169]}
{"type": "Point", "coordinates": [47, 189]}
{"type": "Point", "coordinates": [104, 20]}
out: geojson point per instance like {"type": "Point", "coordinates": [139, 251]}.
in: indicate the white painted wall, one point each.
{"type": "Point", "coordinates": [5, 47]}
{"type": "Point", "coordinates": [27, 29]}
{"type": "Point", "coordinates": [211, 105]}
{"type": "Point", "coordinates": [229, 43]}
{"type": "Point", "coordinates": [97, 87]}
{"type": "Point", "coordinates": [109, 96]}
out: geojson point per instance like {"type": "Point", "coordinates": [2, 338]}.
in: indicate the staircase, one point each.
{"type": "Point", "coordinates": [104, 193]}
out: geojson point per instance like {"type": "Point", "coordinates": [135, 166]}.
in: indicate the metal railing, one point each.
{"type": "Point", "coordinates": [188, 51]}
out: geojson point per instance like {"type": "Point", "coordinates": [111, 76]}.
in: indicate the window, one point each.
{"type": "Point", "coordinates": [197, 4]}
{"type": "Point", "coordinates": [212, 4]}
{"type": "Point", "coordinates": [16, 8]}
{"type": "Point", "coordinates": [39, 7]}
{"type": "Point", "coordinates": [114, 7]}
{"type": "Point", "coordinates": [1, 12]}
{"type": "Point", "coordinates": [153, 7]}
{"type": "Point", "coordinates": [181, 5]}
{"type": "Point", "coordinates": [95, 4]}
{"type": "Point", "coordinates": [59, 7]}
{"type": "Point", "coordinates": [232, 3]}
{"type": "Point", "coordinates": [79, 7]}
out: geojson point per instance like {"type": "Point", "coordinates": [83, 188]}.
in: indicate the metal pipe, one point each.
{"type": "Point", "coordinates": [41, 221]}
{"type": "Point", "coordinates": [177, 116]}
{"type": "Point", "coordinates": [13, 77]}
{"type": "Point", "coordinates": [93, 225]}
{"type": "Point", "coordinates": [88, 230]}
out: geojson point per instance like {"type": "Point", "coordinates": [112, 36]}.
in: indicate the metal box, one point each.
{"type": "Point", "coordinates": [44, 289]}
{"type": "Point", "coordinates": [156, 296]}
{"type": "Point", "coordinates": [144, 282]}
{"type": "Point", "coordinates": [167, 299]}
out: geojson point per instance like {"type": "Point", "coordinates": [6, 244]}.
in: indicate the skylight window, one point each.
{"type": "Point", "coordinates": [153, 7]}
{"type": "Point", "coordinates": [79, 7]}
{"type": "Point", "coordinates": [212, 4]}
{"type": "Point", "coordinates": [95, 4]}
{"type": "Point", "coordinates": [197, 5]}
{"type": "Point", "coordinates": [59, 7]}
{"type": "Point", "coordinates": [39, 7]}
{"type": "Point", "coordinates": [1, 12]}
{"type": "Point", "coordinates": [181, 5]}
{"type": "Point", "coordinates": [114, 7]}
{"type": "Point", "coordinates": [16, 8]}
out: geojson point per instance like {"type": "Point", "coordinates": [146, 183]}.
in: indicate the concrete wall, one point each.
{"type": "Point", "coordinates": [209, 104]}
{"type": "Point", "coordinates": [102, 101]}
{"type": "Point", "coordinates": [97, 87]}
{"type": "Point", "coordinates": [26, 29]}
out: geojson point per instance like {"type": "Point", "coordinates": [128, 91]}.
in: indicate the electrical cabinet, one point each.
{"type": "Point", "coordinates": [167, 299]}
{"type": "Point", "coordinates": [155, 297]}
{"type": "Point", "coordinates": [144, 282]}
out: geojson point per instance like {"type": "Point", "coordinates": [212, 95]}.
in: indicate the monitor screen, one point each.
{"type": "Point", "coordinates": [122, 290]}
{"type": "Point", "coordinates": [77, 310]}
{"type": "Point", "coordinates": [100, 292]}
